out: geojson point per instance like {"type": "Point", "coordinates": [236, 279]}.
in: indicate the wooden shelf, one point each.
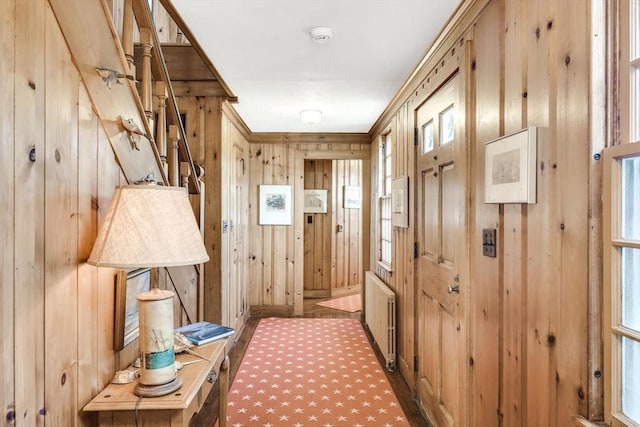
{"type": "Point", "coordinates": [117, 404]}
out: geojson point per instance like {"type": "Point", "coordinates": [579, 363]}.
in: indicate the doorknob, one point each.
{"type": "Point", "coordinates": [453, 289]}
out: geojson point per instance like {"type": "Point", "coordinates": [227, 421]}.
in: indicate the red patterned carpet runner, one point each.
{"type": "Point", "coordinates": [351, 303]}
{"type": "Point", "coordinates": [311, 372]}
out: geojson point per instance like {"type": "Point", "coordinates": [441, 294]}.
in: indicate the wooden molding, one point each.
{"type": "Point", "coordinates": [237, 121]}
{"type": "Point", "coordinates": [198, 88]}
{"type": "Point", "coordinates": [320, 138]}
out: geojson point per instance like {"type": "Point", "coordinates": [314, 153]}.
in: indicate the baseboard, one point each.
{"type": "Point", "coordinates": [317, 293]}
{"type": "Point", "coordinates": [271, 310]}
{"type": "Point", "coordinates": [583, 422]}
{"type": "Point", "coordinates": [347, 290]}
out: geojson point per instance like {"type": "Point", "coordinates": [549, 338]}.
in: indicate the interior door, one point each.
{"type": "Point", "coordinates": [441, 192]}
{"type": "Point", "coordinates": [238, 227]}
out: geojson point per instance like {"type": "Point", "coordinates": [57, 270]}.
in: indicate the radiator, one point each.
{"type": "Point", "coordinates": [380, 317]}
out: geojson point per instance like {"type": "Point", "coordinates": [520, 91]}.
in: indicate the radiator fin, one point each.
{"type": "Point", "coordinates": [380, 317]}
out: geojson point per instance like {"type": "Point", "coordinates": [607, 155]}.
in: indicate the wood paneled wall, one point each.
{"type": "Point", "coordinates": [213, 134]}
{"type": "Point", "coordinates": [58, 175]}
{"type": "Point", "coordinates": [347, 270]}
{"type": "Point", "coordinates": [528, 357]}
{"type": "Point", "coordinates": [539, 318]}
{"type": "Point", "coordinates": [403, 279]}
{"type": "Point", "coordinates": [317, 234]}
{"type": "Point", "coordinates": [57, 311]}
{"type": "Point", "coordinates": [271, 247]}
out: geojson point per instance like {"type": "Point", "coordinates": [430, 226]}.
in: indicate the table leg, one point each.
{"type": "Point", "coordinates": [224, 389]}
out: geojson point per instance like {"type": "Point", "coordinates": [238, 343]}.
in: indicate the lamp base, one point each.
{"type": "Point", "coordinates": [144, 390]}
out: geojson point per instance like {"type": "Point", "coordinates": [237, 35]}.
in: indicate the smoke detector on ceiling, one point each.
{"type": "Point", "coordinates": [321, 34]}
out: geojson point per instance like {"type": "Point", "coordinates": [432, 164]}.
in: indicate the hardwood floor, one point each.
{"type": "Point", "coordinates": [209, 411]}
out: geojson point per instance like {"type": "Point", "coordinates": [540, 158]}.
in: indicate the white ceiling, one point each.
{"type": "Point", "coordinates": [263, 50]}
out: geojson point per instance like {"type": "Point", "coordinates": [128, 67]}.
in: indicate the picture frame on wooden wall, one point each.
{"type": "Point", "coordinates": [510, 168]}
{"type": "Point", "coordinates": [400, 202]}
{"type": "Point", "coordinates": [276, 205]}
{"type": "Point", "coordinates": [127, 321]}
{"type": "Point", "coordinates": [315, 201]}
{"type": "Point", "coordinates": [351, 198]}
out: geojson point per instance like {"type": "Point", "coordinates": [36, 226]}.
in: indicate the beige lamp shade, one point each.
{"type": "Point", "coordinates": [148, 226]}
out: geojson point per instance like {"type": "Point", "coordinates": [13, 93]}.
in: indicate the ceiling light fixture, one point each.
{"type": "Point", "coordinates": [321, 34]}
{"type": "Point", "coordinates": [310, 117]}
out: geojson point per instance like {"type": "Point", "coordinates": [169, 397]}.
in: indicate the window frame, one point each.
{"type": "Point", "coordinates": [613, 244]}
{"type": "Point", "coordinates": [624, 138]}
{"type": "Point", "coordinates": [385, 177]}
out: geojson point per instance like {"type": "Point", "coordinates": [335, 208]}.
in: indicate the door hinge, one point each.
{"type": "Point", "coordinates": [415, 363]}
{"type": "Point", "coordinates": [415, 136]}
{"type": "Point", "coordinates": [415, 250]}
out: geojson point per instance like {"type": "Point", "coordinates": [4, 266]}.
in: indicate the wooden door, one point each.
{"type": "Point", "coordinates": [442, 263]}
{"type": "Point", "coordinates": [237, 236]}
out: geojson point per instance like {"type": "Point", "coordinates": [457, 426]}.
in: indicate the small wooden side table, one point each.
{"type": "Point", "coordinates": [117, 405]}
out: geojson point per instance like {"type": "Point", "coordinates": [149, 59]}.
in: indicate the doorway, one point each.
{"type": "Point", "coordinates": [333, 228]}
{"type": "Point", "coordinates": [442, 260]}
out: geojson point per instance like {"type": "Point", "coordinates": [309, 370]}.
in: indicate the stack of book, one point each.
{"type": "Point", "coordinates": [204, 332]}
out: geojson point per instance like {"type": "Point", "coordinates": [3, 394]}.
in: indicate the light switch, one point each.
{"type": "Point", "coordinates": [489, 242]}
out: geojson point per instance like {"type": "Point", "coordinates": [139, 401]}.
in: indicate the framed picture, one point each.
{"type": "Point", "coordinates": [275, 205]}
{"type": "Point", "coordinates": [351, 197]}
{"type": "Point", "coordinates": [510, 168]}
{"type": "Point", "coordinates": [315, 201]}
{"type": "Point", "coordinates": [128, 286]}
{"type": "Point", "coordinates": [400, 202]}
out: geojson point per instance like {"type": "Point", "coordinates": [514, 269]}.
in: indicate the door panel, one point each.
{"type": "Point", "coordinates": [449, 214]}
{"type": "Point", "coordinates": [429, 236]}
{"type": "Point", "coordinates": [442, 257]}
{"type": "Point", "coordinates": [238, 227]}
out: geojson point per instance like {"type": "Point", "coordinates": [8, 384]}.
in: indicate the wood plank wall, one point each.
{"type": "Point", "coordinates": [57, 312]}
{"type": "Point", "coordinates": [528, 316]}
{"type": "Point", "coordinates": [317, 234]}
{"type": "Point", "coordinates": [403, 278]}
{"type": "Point", "coordinates": [8, 263]}
{"type": "Point", "coordinates": [346, 244]}
{"type": "Point", "coordinates": [61, 331]}
{"type": "Point", "coordinates": [271, 248]}
{"type": "Point", "coordinates": [212, 135]}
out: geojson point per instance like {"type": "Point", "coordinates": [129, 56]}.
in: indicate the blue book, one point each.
{"type": "Point", "coordinates": [204, 332]}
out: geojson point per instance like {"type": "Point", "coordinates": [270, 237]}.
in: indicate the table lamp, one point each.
{"type": "Point", "coordinates": [151, 225]}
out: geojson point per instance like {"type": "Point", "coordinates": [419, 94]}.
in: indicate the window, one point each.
{"type": "Point", "coordinates": [622, 283]}
{"type": "Point", "coordinates": [621, 234]}
{"type": "Point", "coordinates": [384, 203]}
